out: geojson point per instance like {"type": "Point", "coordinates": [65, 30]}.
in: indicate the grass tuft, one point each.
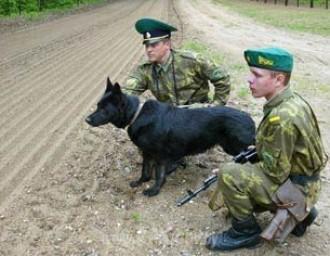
{"type": "Point", "coordinates": [302, 19]}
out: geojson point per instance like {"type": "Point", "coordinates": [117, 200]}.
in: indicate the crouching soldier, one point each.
{"type": "Point", "coordinates": [286, 180]}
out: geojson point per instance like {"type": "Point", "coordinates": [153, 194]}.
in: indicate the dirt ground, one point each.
{"type": "Point", "coordinates": [64, 185]}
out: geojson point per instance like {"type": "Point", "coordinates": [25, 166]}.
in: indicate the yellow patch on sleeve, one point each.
{"type": "Point", "coordinates": [274, 119]}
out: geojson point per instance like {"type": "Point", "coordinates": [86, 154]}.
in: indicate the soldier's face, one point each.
{"type": "Point", "coordinates": [158, 52]}
{"type": "Point", "coordinates": [263, 83]}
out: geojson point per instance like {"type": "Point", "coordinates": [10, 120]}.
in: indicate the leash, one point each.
{"type": "Point", "coordinates": [136, 114]}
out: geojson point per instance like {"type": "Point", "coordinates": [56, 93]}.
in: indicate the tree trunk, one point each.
{"type": "Point", "coordinates": [286, 2]}
{"type": "Point", "coordinates": [312, 4]}
{"type": "Point", "coordinates": [19, 6]}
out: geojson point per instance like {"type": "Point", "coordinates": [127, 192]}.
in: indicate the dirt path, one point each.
{"type": "Point", "coordinates": [234, 33]}
{"type": "Point", "coordinates": [64, 186]}
{"type": "Point", "coordinates": [50, 80]}
{"type": "Point", "coordinates": [50, 76]}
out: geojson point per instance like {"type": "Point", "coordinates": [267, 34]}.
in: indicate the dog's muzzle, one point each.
{"type": "Point", "coordinates": [89, 121]}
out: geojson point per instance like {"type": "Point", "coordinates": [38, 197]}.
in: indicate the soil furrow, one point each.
{"type": "Point", "coordinates": [75, 57]}
{"type": "Point", "coordinates": [44, 148]}
{"type": "Point", "coordinates": [54, 77]}
{"type": "Point", "coordinates": [45, 122]}
{"type": "Point", "coordinates": [12, 48]}
{"type": "Point", "coordinates": [74, 45]}
{"type": "Point", "coordinates": [55, 72]}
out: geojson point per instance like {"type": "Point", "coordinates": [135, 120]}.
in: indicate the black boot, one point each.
{"type": "Point", "coordinates": [301, 227]}
{"type": "Point", "coordinates": [242, 234]}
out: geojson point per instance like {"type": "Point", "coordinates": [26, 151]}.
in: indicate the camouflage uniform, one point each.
{"type": "Point", "coordinates": [288, 143]}
{"type": "Point", "coordinates": [182, 80]}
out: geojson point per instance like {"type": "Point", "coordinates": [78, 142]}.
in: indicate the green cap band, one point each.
{"type": "Point", "coordinates": [273, 58]}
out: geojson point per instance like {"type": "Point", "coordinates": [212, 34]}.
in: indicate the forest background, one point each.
{"type": "Point", "coordinates": [31, 8]}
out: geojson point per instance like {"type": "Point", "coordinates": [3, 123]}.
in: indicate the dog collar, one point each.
{"type": "Point", "coordinates": [136, 114]}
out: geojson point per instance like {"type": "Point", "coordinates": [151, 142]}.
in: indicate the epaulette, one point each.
{"type": "Point", "coordinates": [187, 54]}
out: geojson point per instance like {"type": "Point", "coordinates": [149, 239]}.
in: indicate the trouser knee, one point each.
{"type": "Point", "coordinates": [228, 173]}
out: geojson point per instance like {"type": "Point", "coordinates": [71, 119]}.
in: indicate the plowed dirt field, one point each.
{"type": "Point", "coordinates": [64, 185]}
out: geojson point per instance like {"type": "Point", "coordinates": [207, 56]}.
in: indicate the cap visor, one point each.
{"type": "Point", "coordinates": [153, 41]}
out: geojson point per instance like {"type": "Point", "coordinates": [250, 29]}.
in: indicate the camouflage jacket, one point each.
{"type": "Point", "coordinates": [288, 138]}
{"type": "Point", "coordinates": [182, 80]}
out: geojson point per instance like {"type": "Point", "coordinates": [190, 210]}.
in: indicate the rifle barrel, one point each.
{"type": "Point", "coordinates": [242, 157]}
{"type": "Point", "coordinates": [191, 194]}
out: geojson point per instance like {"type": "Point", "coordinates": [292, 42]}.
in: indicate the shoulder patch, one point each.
{"type": "Point", "coordinates": [274, 119]}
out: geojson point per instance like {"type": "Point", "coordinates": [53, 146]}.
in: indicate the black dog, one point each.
{"type": "Point", "coordinates": [165, 133]}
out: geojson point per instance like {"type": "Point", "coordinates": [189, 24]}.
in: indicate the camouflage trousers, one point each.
{"type": "Point", "coordinates": [245, 188]}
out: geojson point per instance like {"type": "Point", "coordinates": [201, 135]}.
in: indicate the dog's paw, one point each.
{"type": "Point", "coordinates": [151, 192]}
{"type": "Point", "coordinates": [135, 183]}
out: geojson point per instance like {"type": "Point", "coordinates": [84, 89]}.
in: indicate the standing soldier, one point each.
{"type": "Point", "coordinates": [175, 77]}
{"type": "Point", "coordinates": [286, 180]}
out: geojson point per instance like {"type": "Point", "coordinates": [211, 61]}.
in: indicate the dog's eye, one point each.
{"type": "Point", "coordinates": [101, 104]}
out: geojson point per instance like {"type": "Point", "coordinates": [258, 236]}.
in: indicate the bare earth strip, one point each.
{"type": "Point", "coordinates": [51, 75]}
{"type": "Point", "coordinates": [36, 114]}
{"type": "Point", "coordinates": [64, 186]}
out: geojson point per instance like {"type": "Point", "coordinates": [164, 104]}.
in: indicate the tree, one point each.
{"type": "Point", "coordinates": [8, 7]}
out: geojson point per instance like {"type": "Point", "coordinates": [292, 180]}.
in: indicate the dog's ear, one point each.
{"type": "Point", "coordinates": [109, 85]}
{"type": "Point", "coordinates": [116, 88]}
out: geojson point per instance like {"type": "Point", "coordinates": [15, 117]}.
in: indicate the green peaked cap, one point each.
{"type": "Point", "coordinates": [153, 30]}
{"type": "Point", "coordinates": [272, 58]}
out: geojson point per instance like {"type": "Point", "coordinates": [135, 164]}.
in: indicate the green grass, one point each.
{"type": "Point", "coordinates": [302, 19]}
{"type": "Point", "coordinates": [136, 217]}
{"type": "Point", "coordinates": [301, 84]}
{"type": "Point", "coordinates": [198, 47]}
{"type": "Point", "coordinates": [239, 72]}
{"type": "Point", "coordinates": [33, 16]}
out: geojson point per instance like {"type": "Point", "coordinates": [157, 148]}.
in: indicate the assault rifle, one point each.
{"type": "Point", "coordinates": [249, 155]}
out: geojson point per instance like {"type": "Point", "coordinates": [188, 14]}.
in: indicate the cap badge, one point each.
{"type": "Point", "coordinates": [264, 61]}
{"type": "Point", "coordinates": [148, 35]}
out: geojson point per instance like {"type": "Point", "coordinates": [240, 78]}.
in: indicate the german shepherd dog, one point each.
{"type": "Point", "coordinates": [166, 133]}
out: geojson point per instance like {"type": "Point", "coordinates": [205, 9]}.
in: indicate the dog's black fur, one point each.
{"type": "Point", "coordinates": [165, 133]}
